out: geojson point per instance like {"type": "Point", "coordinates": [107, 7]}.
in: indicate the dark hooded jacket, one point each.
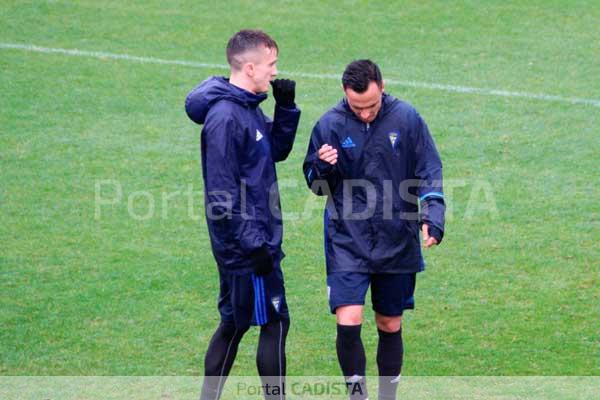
{"type": "Point", "coordinates": [384, 170]}
{"type": "Point", "coordinates": [239, 149]}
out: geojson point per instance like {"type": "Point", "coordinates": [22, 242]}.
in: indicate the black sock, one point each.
{"type": "Point", "coordinates": [389, 361]}
{"type": "Point", "coordinates": [270, 358]}
{"type": "Point", "coordinates": [351, 356]}
{"type": "Point", "coordinates": [219, 359]}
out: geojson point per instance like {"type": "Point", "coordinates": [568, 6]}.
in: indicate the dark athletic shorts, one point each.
{"type": "Point", "coordinates": [391, 294]}
{"type": "Point", "coordinates": [248, 299]}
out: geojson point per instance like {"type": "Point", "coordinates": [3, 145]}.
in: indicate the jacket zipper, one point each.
{"type": "Point", "coordinates": [372, 229]}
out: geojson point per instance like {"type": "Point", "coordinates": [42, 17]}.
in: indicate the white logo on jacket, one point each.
{"type": "Point", "coordinates": [258, 135]}
{"type": "Point", "coordinates": [393, 138]}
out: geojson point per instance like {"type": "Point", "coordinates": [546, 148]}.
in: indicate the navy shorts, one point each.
{"type": "Point", "coordinates": [391, 294]}
{"type": "Point", "coordinates": [247, 299]}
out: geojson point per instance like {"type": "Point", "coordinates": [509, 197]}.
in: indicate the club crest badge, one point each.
{"type": "Point", "coordinates": [276, 301]}
{"type": "Point", "coordinates": [393, 138]}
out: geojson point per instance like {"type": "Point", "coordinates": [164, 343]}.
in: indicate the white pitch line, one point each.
{"type": "Point", "coordinates": [393, 82]}
{"type": "Point", "coordinates": [102, 54]}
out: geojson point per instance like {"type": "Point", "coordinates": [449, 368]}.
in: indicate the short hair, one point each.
{"type": "Point", "coordinates": [359, 74]}
{"type": "Point", "coordinates": [246, 40]}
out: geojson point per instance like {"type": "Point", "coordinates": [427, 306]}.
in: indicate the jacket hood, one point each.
{"type": "Point", "coordinates": [214, 89]}
{"type": "Point", "coordinates": [387, 105]}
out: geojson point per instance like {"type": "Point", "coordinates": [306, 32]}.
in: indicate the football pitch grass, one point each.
{"type": "Point", "coordinates": [105, 262]}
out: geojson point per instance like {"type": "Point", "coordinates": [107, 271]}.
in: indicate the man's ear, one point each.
{"type": "Point", "coordinates": [383, 86]}
{"type": "Point", "coordinates": [248, 69]}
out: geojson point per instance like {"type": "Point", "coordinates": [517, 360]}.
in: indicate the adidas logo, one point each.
{"type": "Point", "coordinates": [348, 143]}
{"type": "Point", "coordinates": [258, 135]}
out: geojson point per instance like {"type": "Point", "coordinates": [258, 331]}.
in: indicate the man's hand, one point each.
{"type": "Point", "coordinates": [263, 261]}
{"type": "Point", "coordinates": [284, 91]}
{"type": "Point", "coordinates": [328, 154]}
{"type": "Point", "coordinates": [428, 241]}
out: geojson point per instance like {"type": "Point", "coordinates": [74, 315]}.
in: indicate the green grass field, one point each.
{"type": "Point", "coordinates": [513, 290]}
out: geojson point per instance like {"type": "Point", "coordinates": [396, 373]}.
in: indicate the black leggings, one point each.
{"type": "Point", "coordinates": [270, 356]}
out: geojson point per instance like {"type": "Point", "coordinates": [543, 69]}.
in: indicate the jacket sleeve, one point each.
{"type": "Point", "coordinates": [428, 171]}
{"type": "Point", "coordinates": [283, 131]}
{"type": "Point", "coordinates": [223, 186]}
{"type": "Point", "coordinates": [321, 177]}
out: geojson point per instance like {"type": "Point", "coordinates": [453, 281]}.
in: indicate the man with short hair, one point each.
{"type": "Point", "coordinates": [240, 147]}
{"type": "Point", "coordinates": [374, 158]}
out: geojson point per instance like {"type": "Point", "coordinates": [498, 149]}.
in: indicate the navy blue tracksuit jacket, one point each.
{"type": "Point", "coordinates": [384, 170]}
{"type": "Point", "coordinates": [239, 148]}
